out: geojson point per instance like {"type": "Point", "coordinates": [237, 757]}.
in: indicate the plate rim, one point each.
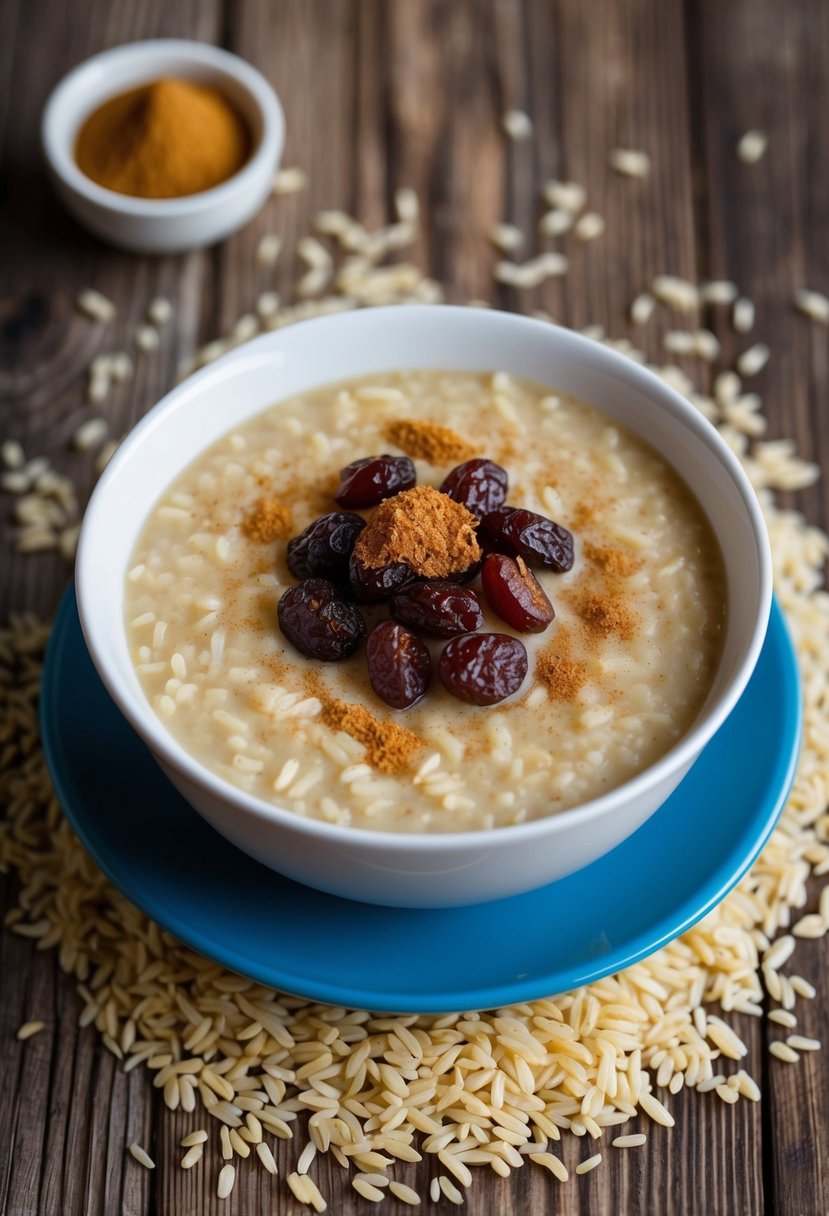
{"type": "Point", "coordinates": [667, 926]}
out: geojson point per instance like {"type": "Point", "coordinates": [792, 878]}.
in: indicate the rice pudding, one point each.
{"type": "Point", "coordinates": [612, 682]}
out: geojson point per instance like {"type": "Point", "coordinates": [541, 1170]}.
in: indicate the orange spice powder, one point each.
{"type": "Point", "coordinates": [389, 747]}
{"type": "Point", "coordinates": [432, 533]}
{"type": "Point", "coordinates": [269, 520]}
{"type": "Point", "coordinates": [428, 441]}
{"type": "Point", "coordinates": [163, 140]}
{"type": "Point", "coordinates": [562, 677]}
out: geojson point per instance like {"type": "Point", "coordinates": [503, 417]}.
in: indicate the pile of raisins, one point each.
{"type": "Point", "coordinates": [320, 616]}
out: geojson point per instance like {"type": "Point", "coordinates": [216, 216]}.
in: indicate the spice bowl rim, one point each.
{"type": "Point", "coordinates": [335, 345]}
{"type": "Point", "coordinates": [103, 76]}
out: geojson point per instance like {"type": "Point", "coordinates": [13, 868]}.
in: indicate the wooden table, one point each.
{"type": "Point", "coordinates": [411, 92]}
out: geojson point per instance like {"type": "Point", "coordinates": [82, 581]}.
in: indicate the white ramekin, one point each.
{"type": "Point", "coordinates": [431, 869]}
{"type": "Point", "coordinates": [166, 225]}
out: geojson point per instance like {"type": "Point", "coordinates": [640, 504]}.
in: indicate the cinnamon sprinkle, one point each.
{"type": "Point", "coordinates": [562, 677]}
{"type": "Point", "coordinates": [428, 441]}
{"type": "Point", "coordinates": [615, 562]}
{"type": "Point", "coordinates": [389, 747]}
{"type": "Point", "coordinates": [606, 615]}
{"type": "Point", "coordinates": [427, 530]}
{"type": "Point", "coordinates": [269, 520]}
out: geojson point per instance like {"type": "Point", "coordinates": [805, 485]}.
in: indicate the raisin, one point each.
{"type": "Point", "coordinates": [323, 549]}
{"type": "Point", "coordinates": [515, 593]}
{"type": "Point", "coordinates": [321, 624]}
{"type": "Point", "coordinates": [371, 583]}
{"type": "Point", "coordinates": [441, 608]}
{"type": "Point", "coordinates": [366, 482]}
{"type": "Point", "coordinates": [483, 668]}
{"type": "Point", "coordinates": [478, 484]}
{"type": "Point", "coordinates": [525, 534]}
{"type": "Point", "coordinates": [399, 665]}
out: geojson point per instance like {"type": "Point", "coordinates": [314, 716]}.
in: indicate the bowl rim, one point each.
{"type": "Point", "coordinates": [58, 150]}
{"type": "Point", "coordinates": [150, 727]}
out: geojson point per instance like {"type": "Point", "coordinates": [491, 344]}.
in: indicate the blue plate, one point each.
{"type": "Point", "coordinates": [168, 861]}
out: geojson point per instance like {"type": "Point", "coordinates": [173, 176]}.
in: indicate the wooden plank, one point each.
{"type": "Point", "coordinates": [766, 223]}
{"type": "Point", "coordinates": [380, 95]}
{"type": "Point", "coordinates": [46, 344]}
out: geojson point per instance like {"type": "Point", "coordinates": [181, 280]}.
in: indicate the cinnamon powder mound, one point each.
{"type": "Point", "coordinates": [615, 562]}
{"type": "Point", "coordinates": [269, 520]}
{"type": "Point", "coordinates": [389, 747]}
{"type": "Point", "coordinates": [428, 441]}
{"type": "Point", "coordinates": [562, 677]}
{"type": "Point", "coordinates": [606, 615]}
{"type": "Point", "coordinates": [427, 530]}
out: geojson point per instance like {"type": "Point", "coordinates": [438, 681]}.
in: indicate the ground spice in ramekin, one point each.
{"type": "Point", "coordinates": [163, 140]}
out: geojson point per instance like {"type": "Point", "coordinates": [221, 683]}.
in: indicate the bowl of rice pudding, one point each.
{"type": "Point", "coordinates": [424, 606]}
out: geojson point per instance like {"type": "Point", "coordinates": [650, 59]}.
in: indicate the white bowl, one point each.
{"type": "Point", "coordinates": [163, 225]}
{"type": "Point", "coordinates": [429, 870]}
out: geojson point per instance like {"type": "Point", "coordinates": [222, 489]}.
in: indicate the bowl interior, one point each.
{"type": "Point", "coordinates": [282, 364]}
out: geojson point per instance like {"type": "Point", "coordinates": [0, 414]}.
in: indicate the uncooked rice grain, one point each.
{"type": "Point", "coordinates": [589, 226]}
{"type": "Point", "coordinates": [751, 146]}
{"type": "Point", "coordinates": [782, 1051]}
{"type": "Point", "coordinates": [95, 305]}
{"type": "Point", "coordinates": [289, 181]}
{"type": "Point", "coordinates": [812, 304]}
{"type": "Point", "coordinates": [146, 338]}
{"type": "Point", "coordinates": [517, 124]}
{"type": "Point", "coordinates": [753, 360]}
{"type": "Point", "coordinates": [632, 1141]}
{"type": "Point", "coordinates": [227, 1178]}
{"type": "Point", "coordinates": [742, 316]}
{"type": "Point", "coordinates": [159, 310]}
{"type": "Point", "coordinates": [630, 162]}
{"type": "Point", "coordinates": [28, 1029]}
{"type": "Point", "coordinates": [142, 1156]}
{"type": "Point", "coordinates": [584, 1167]}
{"type": "Point", "coordinates": [506, 237]}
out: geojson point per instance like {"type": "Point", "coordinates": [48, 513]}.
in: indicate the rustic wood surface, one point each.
{"type": "Point", "coordinates": [379, 95]}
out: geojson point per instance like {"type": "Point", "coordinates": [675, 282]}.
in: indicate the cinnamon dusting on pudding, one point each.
{"type": "Point", "coordinates": [606, 614]}
{"type": "Point", "coordinates": [428, 441]}
{"type": "Point", "coordinates": [427, 530]}
{"type": "Point", "coordinates": [270, 519]}
{"type": "Point", "coordinates": [562, 677]}
{"type": "Point", "coordinates": [389, 747]}
{"type": "Point", "coordinates": [615, 562]}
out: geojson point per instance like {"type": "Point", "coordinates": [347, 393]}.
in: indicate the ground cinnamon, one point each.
{"type": "Point", "coordinates": [606, 614]}
{"type": "Point", "coordinates": [615, 562]}
{"type": "Point", "coordinates": [427, 530]}
{"type": "Point", "coordinates": [269, 520]}
{"type": "Point", "coordinates": [163, 140]}
{"type": "Point", "coordinates": [428, 441]}
{"type": "Point", "coordinates": [389, 747]}
{"type": "Point", "coordinates": [562, 677]}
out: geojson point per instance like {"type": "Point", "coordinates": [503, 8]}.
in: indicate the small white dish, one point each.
{"type": "Point", "coordinates": [166, 225]}
{"type": "Point", "coordinates": [437, 869]}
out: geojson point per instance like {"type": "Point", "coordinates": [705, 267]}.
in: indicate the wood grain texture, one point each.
{"type": "Point", "coordinates": [381, 95]}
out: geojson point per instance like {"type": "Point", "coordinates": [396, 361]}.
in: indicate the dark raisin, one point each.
{"type": "Point", "coordinates": [441, 608]}
{"type": "Point", "coordinates": [525, 534]}
{"type": "Point", "coordinates": [483, 668]}
{"type": "Point", "coordinates": [515, 593]}
{"type": "Point", "coordinates": [465, 576]}
{"type": "Point", "coordinates": [323, 549]}
{"type": "Point", "coordinates": [479, 484]}
{"type": "Point", "coordinates": [321, 624]}
{"type": "Point", "coordinates": [366, 482]}
{"type": "Point", "coordinates": [399, 665]}
{"type": "Point", "coordinates": [370, 583]}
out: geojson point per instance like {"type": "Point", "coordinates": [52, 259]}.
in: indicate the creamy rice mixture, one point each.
{"type": "Point", "coordinates": [613, 683]}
